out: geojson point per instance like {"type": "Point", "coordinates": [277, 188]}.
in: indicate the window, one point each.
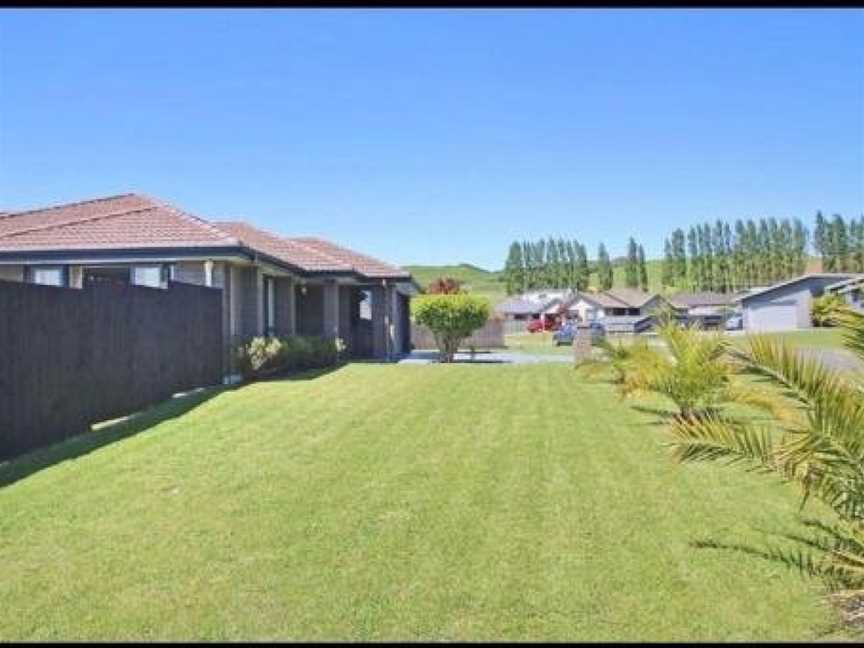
{"type": "Point", "coordinates": [151, 276]}
{"type": "Point", "coordinates": [48, 275]}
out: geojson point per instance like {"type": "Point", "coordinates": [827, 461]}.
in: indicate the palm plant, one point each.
{"type": "Point", "coordinates": [694, 371]}
{"type": "Point", "coordinates": [821, 448]}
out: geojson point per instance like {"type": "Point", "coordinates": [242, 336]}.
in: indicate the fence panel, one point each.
{"type": "Point", "coordinates": [69, 357]}
{"type": "Point", "coordinates": [490, 336]}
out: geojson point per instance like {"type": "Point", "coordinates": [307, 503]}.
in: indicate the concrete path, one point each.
{"type": "Point", "coordinates": [839, 360]}
{"type": "Point", "coordinates": [491, 357]}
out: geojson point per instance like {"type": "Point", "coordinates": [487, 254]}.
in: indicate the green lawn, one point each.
{"type": "Point", "coordinates": [382, 502]}
{"type": "Point", "coordinates": [825, 338]}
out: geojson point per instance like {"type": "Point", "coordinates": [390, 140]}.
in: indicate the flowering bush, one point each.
{"type": "Point", "coordinates": [261, 356]}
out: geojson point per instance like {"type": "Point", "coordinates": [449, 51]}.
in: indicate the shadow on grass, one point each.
{"type": "Point", "coordinates": [805, 558]}
{"type": "Point", "coordinates": [844, 591]}
{"type": "Point", "coordinates": [105, 434]}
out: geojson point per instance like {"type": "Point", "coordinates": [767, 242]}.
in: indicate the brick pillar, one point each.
{"type": "Point", "coordinates": [331, 310]}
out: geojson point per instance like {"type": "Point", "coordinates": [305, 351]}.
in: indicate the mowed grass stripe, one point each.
{"type": "Point", "coordinates": [400, 502]}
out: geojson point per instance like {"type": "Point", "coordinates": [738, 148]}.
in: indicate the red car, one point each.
{"type": "Point", "coordinates": [537, 325]}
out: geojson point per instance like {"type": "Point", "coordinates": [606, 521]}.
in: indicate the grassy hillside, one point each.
{"type": "Point", "coordinates": [476, 280]}
{"type": "Point", "coordinates": [491, 283]}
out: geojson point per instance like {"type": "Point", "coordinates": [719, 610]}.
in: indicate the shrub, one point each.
{"type": "Point", "coordinates": [444, 286]}
{"type": "Point", "coordinates": [451, 318]}
{"type": "Point", "coordinates": [261, 356]}
{"type": "Point", "coordinates": [826, 308]}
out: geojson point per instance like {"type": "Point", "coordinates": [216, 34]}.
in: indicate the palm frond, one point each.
{"type": "Point", "coordinates": [714, 438]}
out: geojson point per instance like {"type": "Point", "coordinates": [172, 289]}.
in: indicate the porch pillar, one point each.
{"type": "Point", "coordinates": [331, 310]}
{"type": "Point", "coordinates": [290, 308]}
{"type": "Point", "coordinates": [379, 330]}
{"type": "Point", "coordinates": [382, 321]}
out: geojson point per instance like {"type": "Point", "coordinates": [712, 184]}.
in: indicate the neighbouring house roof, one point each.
{"type": "Point", "coordinates": [846, 285]}
{"type": "Point", "coordinates": [693, 300]}
{"type": "Point", "coordinates": [137, 222]}
{"type": "Point", "coordinates": [618, 298]}
{"type": "Point", "coordinates": [520, 306]}
{"type": "Point", "coordinates": [839, 276]}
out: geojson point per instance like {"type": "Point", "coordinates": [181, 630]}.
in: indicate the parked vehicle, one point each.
{"type": "Point", "coordinates": [566, 333]}
{"type": "Point", "coordinates": [734, 323]}
{"type": "Point", "coordinates": [535, 326]}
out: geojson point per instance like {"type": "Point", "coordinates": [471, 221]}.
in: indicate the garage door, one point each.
{"type": "Point", "coordinates": [774, 316]}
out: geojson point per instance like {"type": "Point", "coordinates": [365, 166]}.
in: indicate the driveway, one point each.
{"type": "Point", "coordinates": [487, 357]}
{"type": "Point", "coordinates": [839, 360]}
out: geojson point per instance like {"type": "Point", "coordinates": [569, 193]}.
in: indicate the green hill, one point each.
{"type": "Point", "coordinates": [491, 283]}
{"type": "Point", "coordinates": [474, 279]}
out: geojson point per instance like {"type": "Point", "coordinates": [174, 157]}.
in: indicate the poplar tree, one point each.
{"type": "Point", "coordinates": [604, 268]}
{"type": "Point", "coordinates": [583, 274]}
{"type": "Point", "coordinates": [643, 270]}
{"type": "Point", "coordinates": [631, 269]}
{"type": "Point", "coordinates": [679, 254]}
{"type": "Point", "coordinates": [670, 271]}
{"type": "Point", "coordinates": [514, 269]}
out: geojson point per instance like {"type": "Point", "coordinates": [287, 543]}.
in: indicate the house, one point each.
{"type": "Point", "coordinates": [622, 310]}
{"type": "Point", "coordinates": [589, 306]}
{"type": "Point", "coordinates": [709, 309]}
{"type": "Point", "coordinates": [534, 304]}
{"type": "Point", "coordinates": [271, 284]}
{"type": "Point", "coordinates": [786, 305]}
{"type": "Point", "coordinates": [850, 290]}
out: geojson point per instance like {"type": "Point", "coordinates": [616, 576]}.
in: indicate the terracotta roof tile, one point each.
{"type": "Point", "coordinates": [134, 221]}
{"type": "Point", "coordinates": [127, 221]}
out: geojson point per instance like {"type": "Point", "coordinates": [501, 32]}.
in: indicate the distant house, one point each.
{"type": "Point", "coordinates": [710, 309]}
{"type": "Point", "coordinates": [621, 310]}
{"type": "Point", "coordinates": [850, 290]}
{"type": "Point", "coordinates": [534, 304]}
{"type": "Point", "coordinates": [787, 305]}
{"type": "Point", "coordinates": [271, 284]}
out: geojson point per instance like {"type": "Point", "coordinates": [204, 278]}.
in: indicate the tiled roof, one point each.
{"type": "Point", "coordinates": [519, 306]}
{"type": "Point", "coordinates": [362, 263]}
{"type": "Point", "coordinates": [632, 297]}
{"type": "Point", "coordinates": [310, 254]}
{"type": "Point", "coordinates": [133, 221]}
{"type": "Point", "coordinates": [126, 221]}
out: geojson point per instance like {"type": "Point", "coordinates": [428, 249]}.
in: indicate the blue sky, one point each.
{"type": "Point", "coordinates": [439, 136]}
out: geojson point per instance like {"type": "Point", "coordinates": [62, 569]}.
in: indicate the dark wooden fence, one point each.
{"type": "Point", "coordinates": [69, 358]}
{"type": "Point", "coordinates": [490, 336]}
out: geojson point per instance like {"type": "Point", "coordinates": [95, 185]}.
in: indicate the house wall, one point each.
{"type": "Point", "coordinates": [395, 331]}
{"type": "Point", "coordinates": [12, 272]}
{"type": "Point", "coordinates": [310, 310]}
{"type": "Point", "coordinates": [189, 272]}
{"type": "Point", "coordinates": [767, 312]}
{"type": "Point", "coordinates": [284, 305]}
{"type": "Point", "coordinates": [584, 309]}
{"type": "Point", "coordinates": [650, 305]}
{"type": "Point", "coordinates": [346, 316]}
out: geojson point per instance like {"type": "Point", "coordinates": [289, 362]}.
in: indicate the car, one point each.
{"type": "Point", "coordinates": [734, 323]}
{"type": "Point", "coordinates": [565, 334]}
{"type": "Point", "coordinates": [537, 325]}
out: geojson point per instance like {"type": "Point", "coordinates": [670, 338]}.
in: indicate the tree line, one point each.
{"type": "Point", "coordinates": [720, 256]}
{"type": "Point", "coordinates": [723, 258]}
{"type": "Point", "coordinates": [562, 263]}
